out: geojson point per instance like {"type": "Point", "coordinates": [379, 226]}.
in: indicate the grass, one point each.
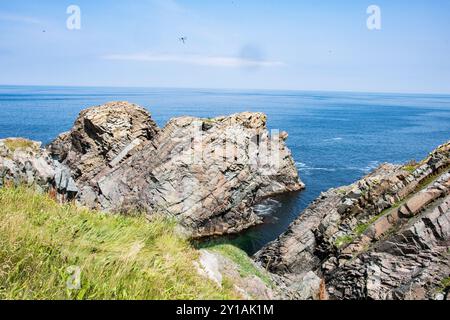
{"type": "Point", "coordinates": [118, 257]}
{"type": "Point", "coordinates": [427, 181]}
{"type": "Point", "coordinates": [445, 285]}
{"type": "Point", "coordinates": [18, 144]}
{"type": "Point", "coordinates": [410, 168]}
{"type": "Point", "coordinates": [362, 227]}
{"type": "Point", "coordinates": [245, 264]}
{"type": "Point", "coordinates": [343, 241]}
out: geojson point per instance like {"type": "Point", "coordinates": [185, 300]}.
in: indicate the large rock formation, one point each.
{"type": "Point", "coordinates": [208, 173]}
{"type": "Point", "coordinates": [386, 236]}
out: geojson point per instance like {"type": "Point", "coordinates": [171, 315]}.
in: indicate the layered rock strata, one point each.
{"type": "Point", "coordinates": [208, 173]}
{"type": "Point", "coordinates": [386, 236]}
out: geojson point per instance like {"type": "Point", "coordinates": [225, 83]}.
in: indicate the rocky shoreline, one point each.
{"type": "Point", "coordinates": [386, 236]}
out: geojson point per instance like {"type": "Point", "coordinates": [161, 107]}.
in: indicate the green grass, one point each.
{"type": "Point", "coordinates": [343, 241]}
{"type": "Point", "coordinates": [362, 227]}
{"type": "Point", "coordinates": [410, 168]}
{"type": "Point", "coordinates": [446, 283]}
{"type": "Point", "coordinates": [245, 264]}
{"type": "Point", "coordinates": [18, 144]}
{"type": "Point", "coordinates": [430, 179]}
{"type": "Point", "coordinates": [119, 257]}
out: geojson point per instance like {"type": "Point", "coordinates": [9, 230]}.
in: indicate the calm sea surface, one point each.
{"type": "Point", "coordinates": [335, 138]}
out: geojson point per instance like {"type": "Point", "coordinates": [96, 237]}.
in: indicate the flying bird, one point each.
{"type": "Point", "coordinates": [183, 39]}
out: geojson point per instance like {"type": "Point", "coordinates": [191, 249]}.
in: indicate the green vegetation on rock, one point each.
{"type": "Point", "coordinates": [343, 241]}
{"type": "Point", "coordinates": [19, 144]}
{"type": "Point", "coordinates": [246, 265]}
{"type": "Point", "coordinates": [42, 243]}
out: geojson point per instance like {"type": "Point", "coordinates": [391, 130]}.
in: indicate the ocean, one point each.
{"type": "Point", "coordinates": [335, 138]}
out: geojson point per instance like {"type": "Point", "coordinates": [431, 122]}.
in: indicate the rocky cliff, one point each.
{"type": "Point", "coordinates": [207, 173]}
{"type": "Point", "coordinates": [386, 236]}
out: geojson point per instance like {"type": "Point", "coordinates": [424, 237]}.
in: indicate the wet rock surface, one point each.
{"type": "Point", "coordinates": [386, 236]}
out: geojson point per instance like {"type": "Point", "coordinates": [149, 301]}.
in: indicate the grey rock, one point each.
{"type": "Point", "coordinates": [23, 162]}
{"type": "Point", "coordinates": [102, 137]}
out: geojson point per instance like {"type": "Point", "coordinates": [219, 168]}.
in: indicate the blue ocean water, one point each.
{"type": "Point", "coordinates": [335, 138]}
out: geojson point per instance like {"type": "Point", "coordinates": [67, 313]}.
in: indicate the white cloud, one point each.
{"type": "Point", "coordinates": [215, 61]}
{"type": "Point", "coordinates": [18, 18]}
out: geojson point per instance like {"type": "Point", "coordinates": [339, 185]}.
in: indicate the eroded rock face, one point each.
{"type": "Point", "coordinates": [205, 172]}
{"type": "Point", "coordinates": [386, 236]}
{"type": "Point", "coordinates": [103, 137]}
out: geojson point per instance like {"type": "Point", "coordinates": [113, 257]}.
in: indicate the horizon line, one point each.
{"type": "Point", "coordinates": [227, 89]}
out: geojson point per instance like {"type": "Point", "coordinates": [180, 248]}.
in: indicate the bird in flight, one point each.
{"type": "Point", "coordinates": [183, 39]}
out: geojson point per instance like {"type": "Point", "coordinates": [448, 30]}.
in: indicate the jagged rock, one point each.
{"type": "Point", "coordinates": [208, 173]}
{"type": "Point", "coordinates": [23, 162]}
{"type": "Point", "coordinates": [103, 137]}
{"type": "Point", "coordinates": [309, 287]}
{"type": "Point", "coordinates": [386, 236]}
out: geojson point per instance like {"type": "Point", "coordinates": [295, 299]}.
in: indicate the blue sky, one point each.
{"type": "Point", "coordinates": [242, 44]}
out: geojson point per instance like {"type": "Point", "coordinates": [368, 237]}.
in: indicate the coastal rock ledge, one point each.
{"type": "Point", "coordinates": [384, 237]}
{"type": "Point", "coordinates": [206, 173]}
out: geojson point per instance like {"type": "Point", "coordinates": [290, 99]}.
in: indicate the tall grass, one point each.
{"type": "Point", "coordinates": [119, 257]}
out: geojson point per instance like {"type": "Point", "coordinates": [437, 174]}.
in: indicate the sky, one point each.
{"type": "Point", "coordinates": [235, 44]}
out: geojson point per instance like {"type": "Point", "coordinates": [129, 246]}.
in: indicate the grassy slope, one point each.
{"type": "Point", "coordinates": [246, 266]}
{"type": "Point", "coordinates": [120, 257]}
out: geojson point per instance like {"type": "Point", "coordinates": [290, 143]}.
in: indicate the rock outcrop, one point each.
{"type": "Point", "coordinates": [207, 173]}
{"type": "Point", "coordinates": [103, 137]}
{"type": "Point", "coordinates": [23, 162]}
{"type": "Point", "coordinates": [386, 236]}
